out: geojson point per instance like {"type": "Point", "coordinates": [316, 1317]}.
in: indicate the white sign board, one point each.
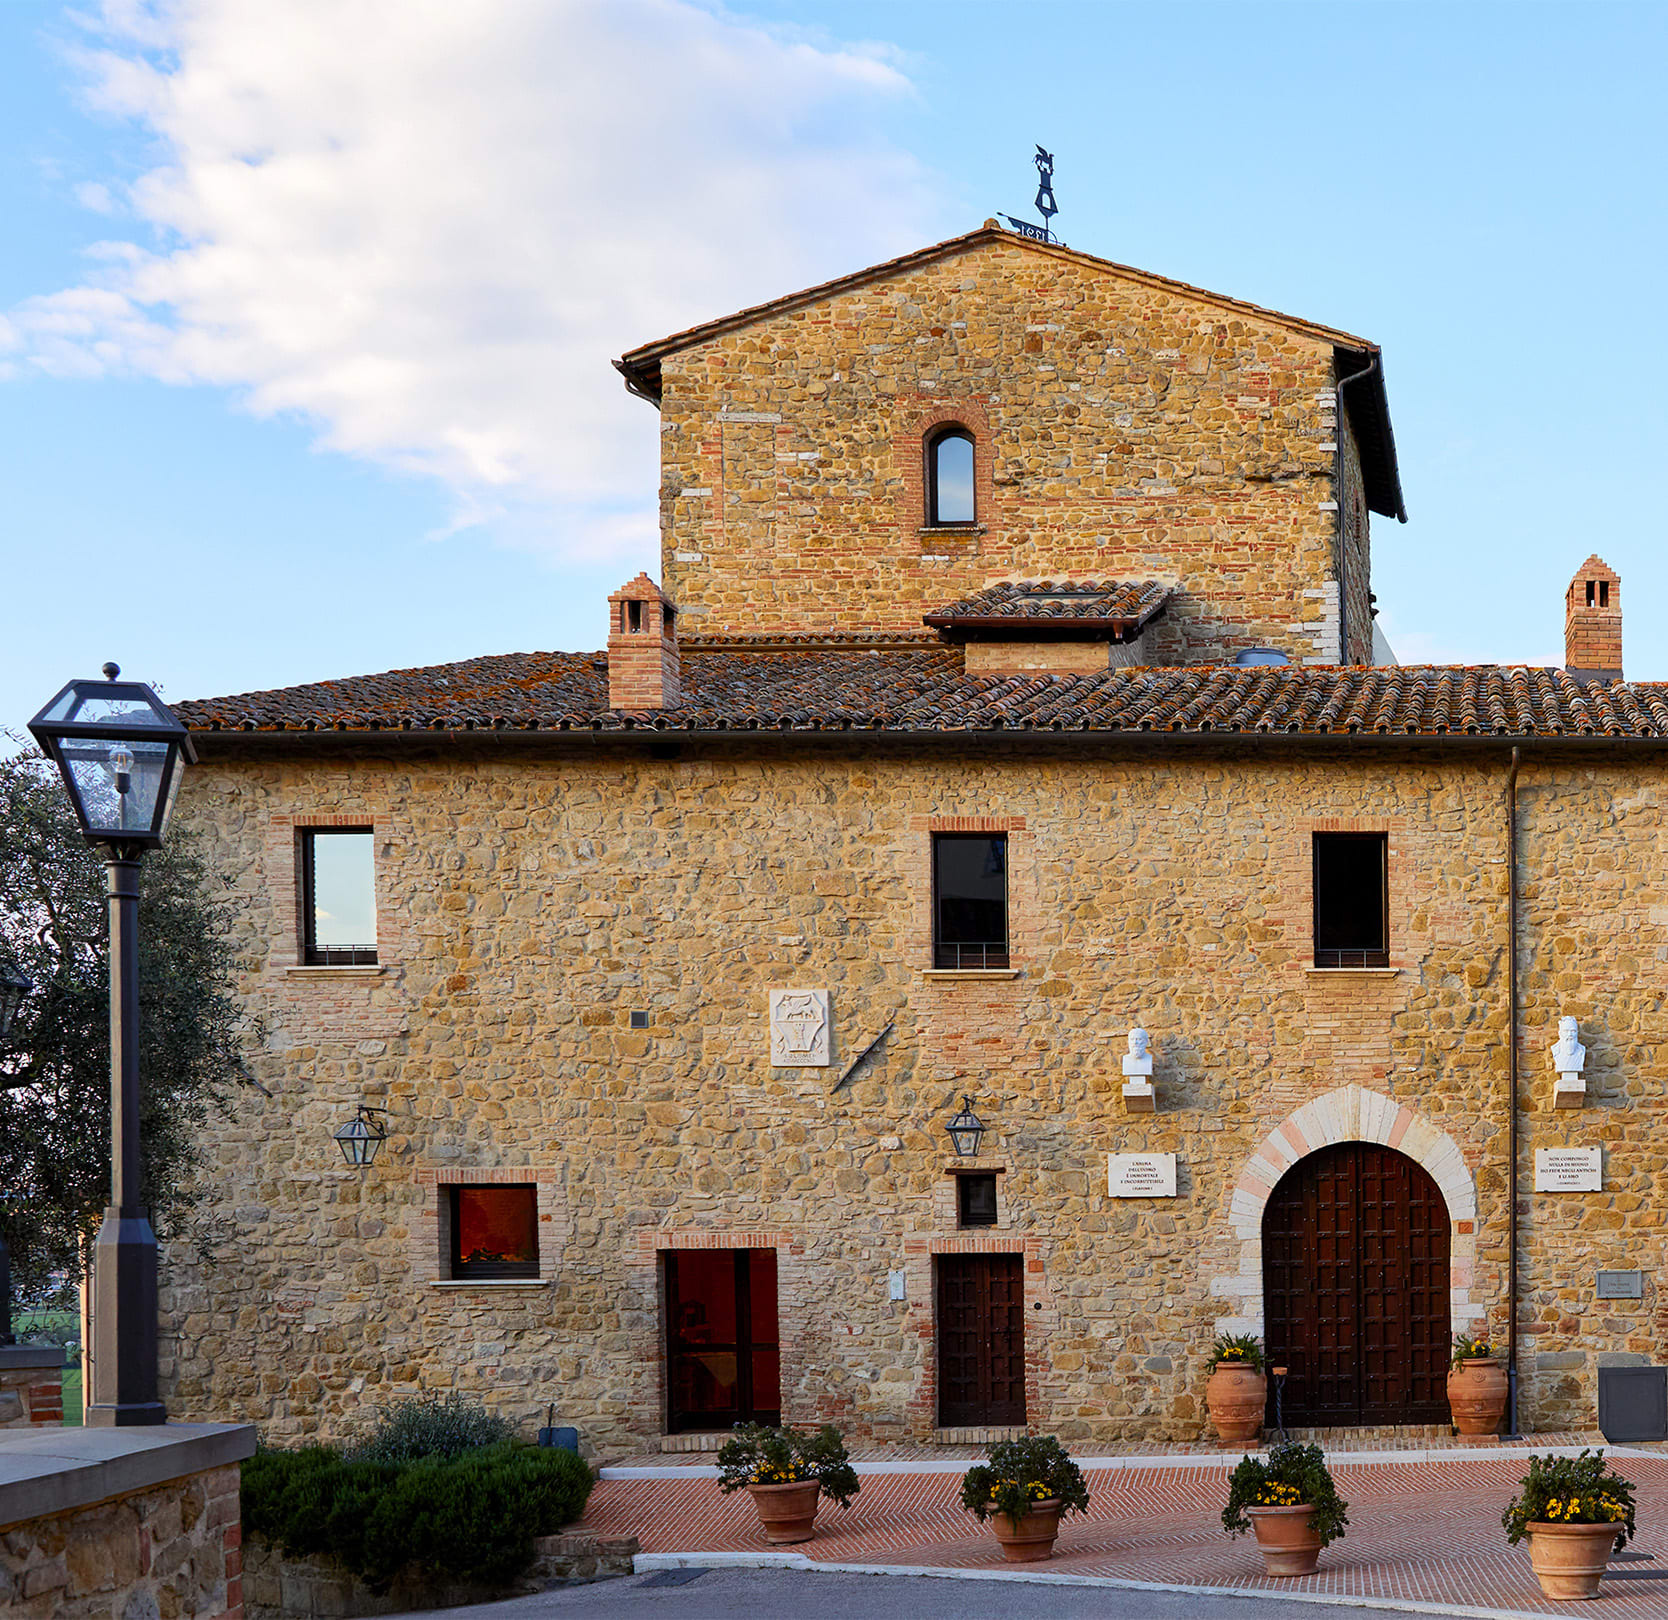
{"type": "Point", "coordinates": [799, 1029]}
{"type": "Point", "coordinates": [1141, 1175]}
{"type": "Point", "coordinates": [1569, 1169]}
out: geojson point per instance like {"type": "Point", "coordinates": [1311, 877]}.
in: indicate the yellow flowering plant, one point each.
{"type": "Point", "coordinates": [1020, 1473]}
{"type": "Point", "coordinates": [1237, 1350]}
{"type": "Point", "coordinates": [1292, 1476]}
{"type": "Point", "coordinates": [760, 1454]}
{"type": "Point", "coordinates": [1571, 1490]}
{"type": "Point", "coordinates": [1467, 1348]}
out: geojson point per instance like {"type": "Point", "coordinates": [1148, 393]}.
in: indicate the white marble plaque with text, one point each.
{"type": "Point", "coordinates": [1141, 1175]}
{"type": "Point", "coordinates": [1569, 1169]}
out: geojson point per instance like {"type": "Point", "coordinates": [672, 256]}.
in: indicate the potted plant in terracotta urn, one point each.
{"type": "Point", "coordinates": [1022, 1489]}
{"type": "Point", "coordinates": [1575, 1512]}
{"type": "Point", "coordinates": [784, 1470]}
{"type": "Point", "coordinates": [1476, 1387]}
{"type": "Point", "coordinates": [1291, 1504]}
{"type": "Point", "coordinates": [1237, 1392]}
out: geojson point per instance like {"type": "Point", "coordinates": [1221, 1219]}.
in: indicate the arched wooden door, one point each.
{"type": "Point", "coordinates": [1355, 1289]}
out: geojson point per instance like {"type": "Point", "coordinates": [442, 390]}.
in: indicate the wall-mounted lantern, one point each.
{"type": "Point", "coordinates": [966, 1129]}
{"type": "Point", "coordinates": [14, 986]}
{"type": "Point", "coordinates": [362, 1136]}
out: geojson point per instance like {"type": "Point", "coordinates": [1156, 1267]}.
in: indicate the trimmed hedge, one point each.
{"type": "Point", "coordinates": [471, 1517]}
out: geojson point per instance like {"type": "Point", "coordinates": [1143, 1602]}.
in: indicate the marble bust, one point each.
{"type": "Point", "coordinates": [1138, 1061]}
{"type": "Point", "coordinates": [1569, 1056]}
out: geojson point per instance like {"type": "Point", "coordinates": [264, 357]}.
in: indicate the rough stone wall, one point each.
{"type": "Point", "coordinates": [173, 1552]}
{"type": "Point", "coordinates": [30, 1396]}
{"type": "Point", "coordinates": [1121, 430]}
{"type": "Point", "coordinates": [531, 902]}
{"type": "Point", "coordinates": [1354, 528]}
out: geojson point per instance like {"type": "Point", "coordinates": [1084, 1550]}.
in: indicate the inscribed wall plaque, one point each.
{"type": "Point", "coordinates": [1621, 1285]}
{"type": "Point", "coordinates": [1141, 1175]}
{"type": "Point", "coordinates": [1569, 1169]}
{"type": "Point", "coordinates": [799, 1029]}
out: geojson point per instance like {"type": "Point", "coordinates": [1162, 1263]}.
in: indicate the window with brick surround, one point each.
{"type": "Point", "coordinates": [1351, 900]}
{"type": "Point", "coordinates": [493, 1232]}
{"type": "Point", "coordinates": [970, 900]}
{"type": "Point", "coordinates": [338, 897]}
{"type": "Point", "coordinates": [950, 476]}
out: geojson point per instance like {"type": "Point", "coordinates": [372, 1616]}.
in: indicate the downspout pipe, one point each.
{"type": "Point", "coordinates": [1512, 1100]}
{"type": "Point", "coordinates": [1338, 489]}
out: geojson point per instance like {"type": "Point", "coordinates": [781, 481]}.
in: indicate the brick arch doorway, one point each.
{"type": "Point", "coordinates": [1356, 1288]}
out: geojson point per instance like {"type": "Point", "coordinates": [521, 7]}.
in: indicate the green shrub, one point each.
{"type": "Point", "coordinates": [1571, 1490]}
{"type": "Point", "coordinates": [430, 1426]}
{"type": "Point", "coordinates": [1467, 1348]}
{"type": "Point", "coordinates": [1017, 1474]}
{"type": "Point", "coordinates": [1293, 1474]}
{"type": "Point", "coordinates": [471, 1517]}
{"type": "Point", "coordinates": [764, 1455]}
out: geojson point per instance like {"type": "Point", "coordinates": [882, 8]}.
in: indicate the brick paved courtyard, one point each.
{"type": "Point", "coordinates": [1424, 1530]}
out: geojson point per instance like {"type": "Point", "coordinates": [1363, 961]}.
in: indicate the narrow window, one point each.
{"type": "Point", "coordinates": [634, 616]}
{"type": "Point", "coordinates": [970, 900]}
{"type": "Point", "coordinates": [495, 1232]}
{"type": "Point", "coordinates": [1604, 593]}
{"type": "Point", "coordinates": [338, 897]}
{"type": "Point", "coordinates": [950, 477]}
{"type": "Point", "coordinates": [1589, 593]}
{"type": "Point", "coordinates": [1350, 900]}
{"type": "Point", "coordinates": [976, 1200]}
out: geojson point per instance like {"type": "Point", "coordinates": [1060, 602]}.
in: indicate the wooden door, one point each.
{"type": "Point", "coordinates": [1355, 1287]}
{"type": "Point", "coordinates": [981, 1340]}
{"type": "Point", "coordinates": [722, 1352]}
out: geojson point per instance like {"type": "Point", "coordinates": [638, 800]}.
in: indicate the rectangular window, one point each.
{"type": "Point", "coordinates": [495, 1232]}
{"type": "Point", "coordinates": [338, 897]}
{"type": "Point", "coordinates": [1351, 900]}
{"type": "Point", "coordinates": [976, 1199]}
{"type": "Point", "coordinates": [970, 900]}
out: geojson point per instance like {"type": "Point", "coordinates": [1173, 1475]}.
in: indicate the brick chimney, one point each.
{"type": "Point", "coordinates": [643, 671]}
{"type": "Point", "coordinates": [1593, 623]}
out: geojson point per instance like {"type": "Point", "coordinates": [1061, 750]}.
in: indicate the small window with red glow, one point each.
{"type": "Point", "coordinates": [495, 1232]}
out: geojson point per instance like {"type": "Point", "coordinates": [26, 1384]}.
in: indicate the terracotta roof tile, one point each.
{"type": "Point", "coordinates": [926, 689]}
{"type": "Point", "coordinates": [1124, 605]}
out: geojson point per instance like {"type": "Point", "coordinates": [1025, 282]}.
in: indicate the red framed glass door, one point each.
{"type": "Point", "coordinates": [723, 1351]}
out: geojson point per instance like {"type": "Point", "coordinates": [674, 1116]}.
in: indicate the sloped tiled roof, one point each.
{"type": "Point", "coordinates": [1030, 605]}
{"type": "Point", "coordinates": [898, 690]}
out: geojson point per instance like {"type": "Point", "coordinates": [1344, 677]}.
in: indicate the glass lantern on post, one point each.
{"type": "Point", "coordinates": [121, 752]}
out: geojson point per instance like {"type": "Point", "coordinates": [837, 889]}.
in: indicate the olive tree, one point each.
{"type": "Point", "coordinates": [55, 1062]}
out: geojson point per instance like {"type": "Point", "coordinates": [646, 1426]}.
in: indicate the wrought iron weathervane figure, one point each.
{"type": "Point", "coordinates": [1045, 204]}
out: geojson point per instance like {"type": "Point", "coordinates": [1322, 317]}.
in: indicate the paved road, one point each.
{"type": "Point", "coordinates": [756, 1594]}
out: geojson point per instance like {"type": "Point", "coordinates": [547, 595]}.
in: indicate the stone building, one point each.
{"type": "Point", "coordinates": [1008, 690]}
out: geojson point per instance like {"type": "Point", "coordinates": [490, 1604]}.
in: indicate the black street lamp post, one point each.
{"type": "Point", "coordinates": [121, 752]}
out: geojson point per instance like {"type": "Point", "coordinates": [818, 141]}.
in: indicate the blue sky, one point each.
{"type": "Point", "coordinates": [308, 308]}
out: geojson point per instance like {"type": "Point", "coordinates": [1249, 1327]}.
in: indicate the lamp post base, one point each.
{"type": "Point", "coordinates": [123, 1392]}
{"type": "Point", "coordinates": [138, 1415]}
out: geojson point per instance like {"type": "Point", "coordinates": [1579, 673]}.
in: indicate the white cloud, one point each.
{"type": "Point", "coordinates": [427, 227]}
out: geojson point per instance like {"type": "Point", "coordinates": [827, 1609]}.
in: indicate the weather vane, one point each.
{"type": "Point", "coordinates": [1045, 204]}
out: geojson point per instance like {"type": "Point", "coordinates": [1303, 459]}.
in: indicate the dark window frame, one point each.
{"type": "Point", "coordinates": [967, 1181]}
{"type": "Point", "coordinates": [312, 953]}
{"type": "Point", "coordinates": [962, 955]}
{"type": "Point", "coordinates": [460, 1270]}
{"type": "Point", "coordinates": [939, 435]}
{"type": "Point", "coordinates": [1355, 956]}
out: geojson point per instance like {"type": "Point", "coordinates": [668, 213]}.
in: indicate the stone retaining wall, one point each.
{"type": "Point", "coordinates": [283, 1586]}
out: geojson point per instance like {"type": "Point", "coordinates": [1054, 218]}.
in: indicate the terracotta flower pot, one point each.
{"type": "Point", "coordinates": [1236, 1397]}
{"type": "Point", "coordinates": [1030, 1539]}
{"type": "Point", "coordinates": [1477, 1395]}
{"type": "Point", "coordinates": [787, 1512]}
{"type": "Point", "coordinates": [1569, 1559]}
{"type": "Point", "coordinates": [1287, 1538]}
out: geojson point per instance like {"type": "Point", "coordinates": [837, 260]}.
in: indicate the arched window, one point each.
{"type": "Point", "coordinates": [950, 476]}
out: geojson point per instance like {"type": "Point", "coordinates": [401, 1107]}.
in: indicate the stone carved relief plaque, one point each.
{"type": "Point", "coordinates": [1569, 1169]}
{"type": "Point", "coordinates": [799, 1034]}
{"type": "Point", "coordinates": [1141, 1175]}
